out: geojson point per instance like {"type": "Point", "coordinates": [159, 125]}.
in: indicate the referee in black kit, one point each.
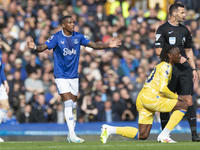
{"type": "Point", "coordinates": [185, 72]}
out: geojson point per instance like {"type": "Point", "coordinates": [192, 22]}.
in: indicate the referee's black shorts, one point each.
{"type": "Point", "coordinates": [181, 81]}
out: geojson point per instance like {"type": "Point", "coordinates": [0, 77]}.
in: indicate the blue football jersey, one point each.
{"type": "Point", "coordinates": [66, 52]}
{"type": "Point", "coordinates": [2, 74]}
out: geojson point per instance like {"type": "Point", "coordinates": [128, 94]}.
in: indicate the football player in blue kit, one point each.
{"type": "Point", "coordinates": [66, 50]}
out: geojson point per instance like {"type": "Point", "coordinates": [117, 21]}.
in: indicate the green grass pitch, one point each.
{"type": "Point", "coordinates": [97, 145]}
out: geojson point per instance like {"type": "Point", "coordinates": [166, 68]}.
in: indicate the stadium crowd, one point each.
{"type": "Point", "coordinates": [109, 80]}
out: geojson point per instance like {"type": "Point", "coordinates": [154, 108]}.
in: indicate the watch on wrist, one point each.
{"type": "Point", "coordinates": [194, 69]}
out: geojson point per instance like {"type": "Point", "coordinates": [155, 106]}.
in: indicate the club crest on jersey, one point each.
{"type": "Point", "coordinates": [172, 40]}
{"type": "Point", "coordinates": [75, 41]}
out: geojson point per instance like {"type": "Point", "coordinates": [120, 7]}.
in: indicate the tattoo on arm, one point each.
{"type": "Point", "coordinates": [98, 45]}
{"type": "Point", "coordinates": [41, 48]}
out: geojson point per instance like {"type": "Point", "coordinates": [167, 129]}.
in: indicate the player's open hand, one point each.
{"type": "Point", "coordinates": [115, 42]}
{"type": "Point", "coordinates": [30, 43]}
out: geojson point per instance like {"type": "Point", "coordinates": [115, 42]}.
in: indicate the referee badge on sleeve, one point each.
{"type": "Point", "coordinates": [172, 40]}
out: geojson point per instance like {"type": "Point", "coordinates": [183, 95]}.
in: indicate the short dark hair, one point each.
{"type": "Point", "coordinates": [64, 18]}
{"type": "Point", "coordinates": [174, 7]}
{"type": "Point", "coordinates": [167, 49]}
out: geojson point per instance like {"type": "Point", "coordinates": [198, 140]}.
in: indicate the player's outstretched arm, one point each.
{"type": "Point", "coordinates": [115, 42]}
{"type": "Point", "coordinates": [30, 44]}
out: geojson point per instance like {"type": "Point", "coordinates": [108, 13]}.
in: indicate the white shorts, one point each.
{"type": "Point", "coordinates": [67, 85]}
{"type": "Point", "coordinates": [3, 94]}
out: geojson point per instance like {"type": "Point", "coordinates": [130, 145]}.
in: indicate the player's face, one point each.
{"type": "Point", "coordinates": [180, 14]}
{"type": "Point", "coordinates": [68, 25]}
{"type": "Point", "coordinates": [175, 56]}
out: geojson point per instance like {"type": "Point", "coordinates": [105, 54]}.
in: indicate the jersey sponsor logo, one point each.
{"type": "Point", "coordinates": [172, 40]}
{"type": "Point", "coordinates": [158, 36]}
{"type": "Point", "coordinates": [67, 51]}
{"type": "Point", "coordinates": [50, 39]}
{"type": "Point", "coordinates": [170, 32]}
{"type": "Point", "coordinates": [75, 41]}
{"type": "Point", "coordinates": [62, 42]}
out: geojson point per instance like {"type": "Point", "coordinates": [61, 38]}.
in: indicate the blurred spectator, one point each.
{"type": "Point", "coordinates": [32, 66]}
{"type": "Point", "coordinates": [128, 63]}
{"type": "Point", "coordinates": [117, 106]}
{"type": "Point", "coordinates": [115, 65]}
{"type": "Point", "coordinates": [100, 106]}
{"type": "Point", "coordinates": [21, 106]}
{"type": "Point", "coordinates": [89, 109]}
{"type": "Point", "coordinates": [108, 112]}
{"type": "Point", "coordinates": [60, 113]}
{"type": "Point", "coordinates": [130, 112]}
{"type": "Point", "coordinates": [127, 115]}
{"type": "Point", "coordinates": [10, 118]}
{"type": "Point", "coordinates": [52, 96]}
{"type": "Point", "coordinates": [39, 109]}
{"type": "Point", "coordinates": [25, 117]}
{"type": "Point", "coordinates": [51, 115]}
{"type": "Point", "coordinates": [128, 43]}
{"type": "Point", "coordinates": [33, 86]}
{"type": "Point", "coordinates": [14, 95]}
{"type": "Point", "coordinates": [46, 79]}
{"type": "Point", "coordinates": [18, 67]}
{"type": "Point", "coordinates": [17, 78]}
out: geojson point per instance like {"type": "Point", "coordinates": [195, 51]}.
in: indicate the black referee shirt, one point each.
{"type": "Point", "coordinates": [174, 35]}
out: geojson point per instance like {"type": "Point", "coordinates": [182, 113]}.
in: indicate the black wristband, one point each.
{"type": "Point", "coordinates": [194, 69]}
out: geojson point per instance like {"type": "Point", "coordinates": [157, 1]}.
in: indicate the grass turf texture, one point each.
{"type": "Point", "coordinates": [97, 145]}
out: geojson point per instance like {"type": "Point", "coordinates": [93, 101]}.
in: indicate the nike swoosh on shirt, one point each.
{"type": "Point", "coordinates": [193, 118]}
{"type": "Point", "coordinates": [170, 32]}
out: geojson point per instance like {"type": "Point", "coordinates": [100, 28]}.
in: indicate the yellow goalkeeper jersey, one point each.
{"type": "Point", "coordinates": [156, 84]}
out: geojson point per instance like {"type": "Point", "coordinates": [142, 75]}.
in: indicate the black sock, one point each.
{"type": "Point", "coordinates": [164, 118]}
{"type": "Point", "coordinates": [191, 117]}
